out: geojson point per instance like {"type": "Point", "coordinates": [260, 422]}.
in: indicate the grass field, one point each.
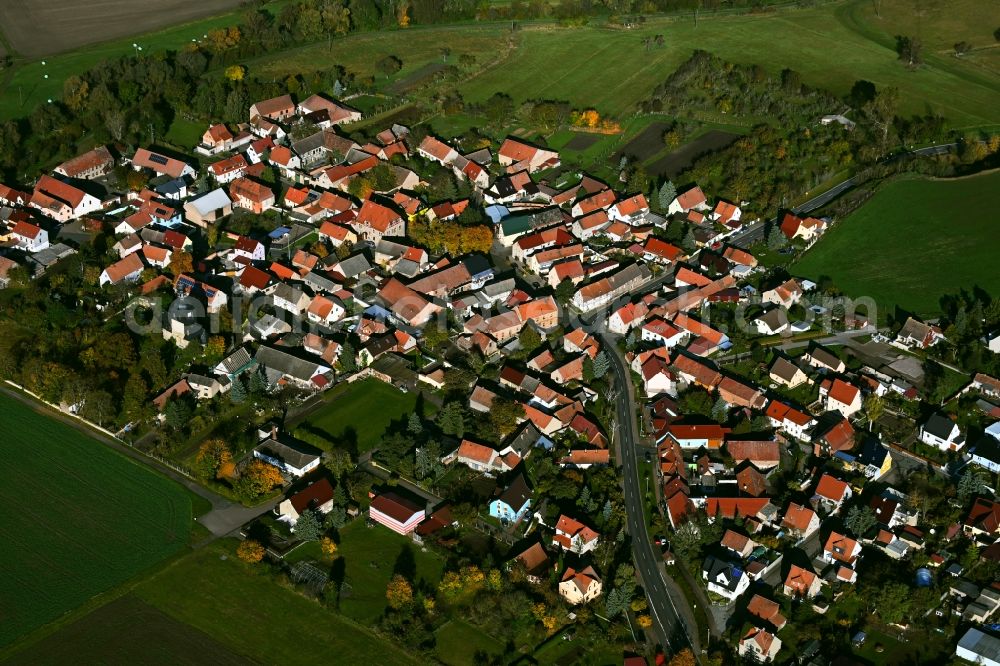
{"type": "Point", "coordinates": [832, 45]}
{"type": "Point", "coordinates": [829, 45]}
{"type": "Point", "coordinates": [255, 617]}
{"type": "Point", "coordinates": [128, 631]}
{"type": "Point", "coordinates": [235, 613]}
{"type": "Point", "coordinates": [913, 242]}
{"type": "Point", "coordinates": [458, 644]}
{"type": "Point", "coordinates": [362, 411]}
{"type": "Point", "coordinates": [79, 519]}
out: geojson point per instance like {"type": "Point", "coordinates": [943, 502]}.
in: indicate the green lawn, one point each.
{"type": "Point", "coordinates": [79, 518]}
{"type": "Point", "coordinates": [253, 616]}
{"type": "Point", "coordinates": [371, 556]}
{"type": "Point", "coordinates": [362, 411]}
{"type": "Point", "coordinates": [459, 642]}
{"type": "Point", "coordinates": [913, 242]}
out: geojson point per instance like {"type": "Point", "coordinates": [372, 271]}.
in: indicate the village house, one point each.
{"type": "Point", "coordinates": [375, 221]}
{"type": "Point", "coordinates": [917, 334]}
{"type": "Point", "coordinates": [573, 536]}
{"type": "Point", "coordinates": [62, 201]}
{"type": "Point", "coordinates": [801, 583]}
{"type": "Point", "coordinates": [29, 237]}
{"type": "Point", "coordinates": [513, 503]}
{"type": "Point", "coordinates": [519, 155]}
{"type": "Point", "coordinates": [126, 269]}
{"type": "Point", "coordinates": [337, 113]}
{"type": "Point", "coordinates": [290, 460]}
{"type": "Point", "coordinates": [767, 610]}
{"type": "Point", "coordinates": [229, 169]}
{"type": "Point", "coordinates": [251, 195]}
{"type": "Point", "coordinates": [161, 165]}
{"type": "Point", "coordinates": [841, 396]}
{"type": "Point", "coordinates": [844, 551]}
{"type": "Point", "coordinates": [317, 497]}
{"type": "Point", "coordinates": [759, 645]}
{"type": "Point", "coordinates": [772, 322]}
{"type": "Point", "coordinates": [831, 493]}
{"type": "Point", "coordinates": [817, 357]}
{"type": "Point", "coordinates": [806, 229]}
{"type": "Point", "coordinates": [397, 513]}
{"type": "Point", "coordinates": [602, 291]}
{"type": "Point", "coordinates": [208, 208]}
{"type": "Point", "coordinates": [790, 420]}
{"type": "Point", "coordinates": [724, 578]}
{"type": "Point", "coordinates": [800, 520]}
{"type": "Point", "coordinates": [785, 294]}
{"type": "Point", "coordinates": [691, 199]}
{"type": "Point", "coordinates": [91, 164]}
{"type": "Point", "coordinates": [580, 587]}
{"type": "Point", "coordinates": [942, 433]}
{"type": "Point", "coordinates": [276, 109]}
{"type": "Point", "coordinates": [786, 373]}
{"type": "Point", "coordinates": [535, 562]}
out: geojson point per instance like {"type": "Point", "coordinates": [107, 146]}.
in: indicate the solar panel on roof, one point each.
{"type": "Point", "coordinates": [159, 159]}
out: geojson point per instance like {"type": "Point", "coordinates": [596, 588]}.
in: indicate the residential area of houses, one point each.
{"type": "Point", "coordinates": [776, 447]}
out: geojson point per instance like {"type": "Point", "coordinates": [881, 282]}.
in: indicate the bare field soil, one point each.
{"type": "Point", "coordinates": [422, 76]}
{"type": "Point", "coordinates": [129, 631]}
{"type": "Point", "coordinates": [43, 27]}
{"type": "Point", "coordinates": [674, 162]}
{"type": "Point", "coordinates": [580, 142]}
{"type": "Point", "coordinates": [645, 144]}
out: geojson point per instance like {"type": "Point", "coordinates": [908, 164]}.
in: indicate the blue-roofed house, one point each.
{"type": "Point", "coordinates": [513, 503]}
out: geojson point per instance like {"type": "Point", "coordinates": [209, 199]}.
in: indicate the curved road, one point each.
{"type": "Point", "coordinates": [670, 630]}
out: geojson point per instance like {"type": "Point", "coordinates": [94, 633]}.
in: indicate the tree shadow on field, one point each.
{"type": "Point", "coordinates": [406, 563]}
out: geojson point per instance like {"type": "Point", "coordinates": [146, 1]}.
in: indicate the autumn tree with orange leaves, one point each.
{"type": "Point", "coordinates": [683, 658]}
{"type": "Point", "coordinates": [214, 458]}
{"type": "Point", "coordinates": [399, 592]}
{"type": "Point", "coordinates": [258, 478]}
{"type": "Point", "coordinates": [250, 551]}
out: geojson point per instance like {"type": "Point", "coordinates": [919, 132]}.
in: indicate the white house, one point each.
{"type": "Point", "coordinates": [942, 432]}
{"type": "Point", "coordinates": [662, 332]}
{"type": "Point", "coordinates": [979, 648]}
{"type": "Point", "coordinates": [250, 248]}
{"type": "Point", "coordinates": [62, 201]}
{"type": "Point", "coordinates": [574, 536]}
{"type": "Point", "coordinates": [323, 310]}
{"type": "Point", "coordinates": [761, 644]}
{"type": "Point", "coordinates": [289, 460]}
{"type": "Point", "coordinates": [987, 451]}
{"type": "Point", "coordinates": [693, 199]}
{"type": "Point", "coordinates": [724, 578]}
{"type": "Point", "coordinates": [126, 269]}
{"type": "Point", "coordinates": [30, 237]}
{"type": "Point", "coordinates": [992, 342]}
{"type": "Point", "coordinates": [841, 396]}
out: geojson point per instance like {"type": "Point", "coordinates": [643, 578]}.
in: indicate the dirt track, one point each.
{"type": "Point", "coordinates": [44, 27]}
